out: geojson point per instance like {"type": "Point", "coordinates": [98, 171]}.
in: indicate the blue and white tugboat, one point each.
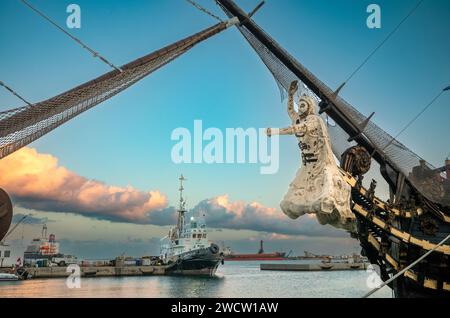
{"type": "Point", "coordinates": [186, 248]}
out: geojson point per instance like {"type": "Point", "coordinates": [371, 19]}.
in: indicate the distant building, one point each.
{"type": "Point", "coordinates": [9, 254]}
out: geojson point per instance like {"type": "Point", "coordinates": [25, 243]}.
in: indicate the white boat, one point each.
{"type": "Point", "coordinates": [5, 277]}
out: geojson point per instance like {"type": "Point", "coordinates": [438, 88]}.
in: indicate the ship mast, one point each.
{"type": "Point", "coordinates": [182, 207]}
{"type": "Point", "coordinates": [44, 231]}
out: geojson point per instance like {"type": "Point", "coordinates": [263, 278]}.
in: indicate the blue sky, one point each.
{"type": "Point", "coordinates": [126, 140]}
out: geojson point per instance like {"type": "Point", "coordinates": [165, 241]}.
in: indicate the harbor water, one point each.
{"type": "Point", "coordinates": [234, 279]}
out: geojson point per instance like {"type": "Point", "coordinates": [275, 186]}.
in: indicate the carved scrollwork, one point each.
{"type": "Point", "coordinates": [356, 160]}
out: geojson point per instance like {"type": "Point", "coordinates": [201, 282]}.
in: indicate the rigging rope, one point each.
{"type": "Point", "coordinates": [406, 268]}
{"type": "Point", "coordinates": [204, 10]}
{"type": "Point", "coordinates": [14, 93]}
{"type": "Point", "coordinates": [414, 119]}
{"type": "Point", "coordinates": [382, 43]}
{"type": "Point", "coordinates": [84, 46]}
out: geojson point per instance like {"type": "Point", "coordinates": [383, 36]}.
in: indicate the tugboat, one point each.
{"type": "Point", "coordinates": [186, 248]}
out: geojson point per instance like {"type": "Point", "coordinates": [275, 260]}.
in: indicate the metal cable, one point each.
{"type": "Point", "coordinates": [414, 119]}
{"type": "Point", "coordinates": [383, 42]}
{"type": "Point", "coordinates": [406, 268]}
{"type": "Point", "coordinates": [204, 10]}
{"type": "Point", "coordinates": [84, 46]}
{"type": "Point", "coordinates": [14, 93]}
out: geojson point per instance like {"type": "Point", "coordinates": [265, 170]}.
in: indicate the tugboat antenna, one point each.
{"type": "Point", "coordinates": [182, 201]}
{"type": "Point", "coordinates": [182, 207]}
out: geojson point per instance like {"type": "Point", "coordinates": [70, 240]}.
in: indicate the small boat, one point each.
{"type": "Point", "coordinates": [147, 271]}
{"type": "Point", "coordinates": [90, 273]}
{"type": "Point", "coordinates": [5, 277]}
{"type": "Point", "coordinates": [326, 266]}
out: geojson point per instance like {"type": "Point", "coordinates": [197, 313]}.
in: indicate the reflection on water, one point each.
{"type": "Point", "coordinates": [234, 279]}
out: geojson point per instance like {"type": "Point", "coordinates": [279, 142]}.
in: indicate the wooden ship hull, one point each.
{"type": "Point", "coordinates": [393, 238]}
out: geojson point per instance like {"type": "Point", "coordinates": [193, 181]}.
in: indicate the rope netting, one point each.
{"type": "Point", "coordinates": [23, 125]}
{"type": "Point", "coordinates": [421, 174]}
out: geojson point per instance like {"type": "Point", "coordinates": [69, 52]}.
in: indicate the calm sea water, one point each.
{"type": "Point", "coordinates": [234, 279]}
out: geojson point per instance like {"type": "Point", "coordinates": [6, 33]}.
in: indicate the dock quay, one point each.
{"type": "Point", "coordinates": [103, 271]}
{"type": "Point", "coordinates": [314, 267]}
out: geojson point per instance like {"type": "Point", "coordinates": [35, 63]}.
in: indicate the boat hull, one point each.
{"type": "Point", "coordinates": [201, 262]}
{"type": "Point", "coordinates": [4, 277]}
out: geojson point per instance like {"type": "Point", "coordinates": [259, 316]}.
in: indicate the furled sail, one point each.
{"type": "Point", "coordinates": [349, 123]}
{"type": "Point", "coordinates": [23, 125]}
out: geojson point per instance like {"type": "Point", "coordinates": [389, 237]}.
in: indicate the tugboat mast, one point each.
{"type": "Point", "coordinates": [182, 207]}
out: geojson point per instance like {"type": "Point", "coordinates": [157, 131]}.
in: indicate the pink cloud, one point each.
{"type": "Point", "coordinates": [37, 181]}
{"type": "Point", "coordinates": [221, 212]}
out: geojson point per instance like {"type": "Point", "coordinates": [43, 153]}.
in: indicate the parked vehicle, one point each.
{"type": "Point", "coordinates": [64, 260]}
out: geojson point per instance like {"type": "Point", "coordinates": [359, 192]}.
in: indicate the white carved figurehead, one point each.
{"type": "Point", "coordinates": [318, 188]}
{"type": "Point", "coordinates": [306, 106]}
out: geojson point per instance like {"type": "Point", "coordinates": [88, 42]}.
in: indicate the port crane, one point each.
{"type": "Point", "coordinates": [14, 227]}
